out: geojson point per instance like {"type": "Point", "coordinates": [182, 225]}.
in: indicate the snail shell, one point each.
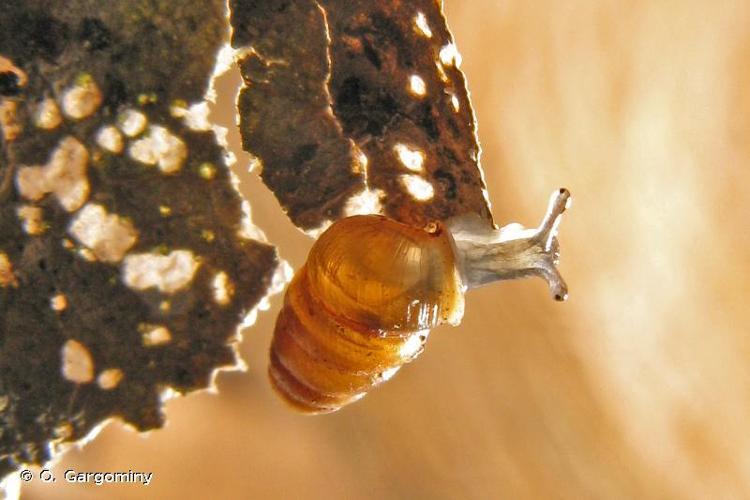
{"type": "Point", "coordinates": [361, 307]}
{"type": "Point", "coordinates": [372, 288]}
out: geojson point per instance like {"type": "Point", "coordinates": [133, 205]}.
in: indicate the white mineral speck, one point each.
{"type": "Point", "coordinates": [132, 122]}
{"type": "Point", "coordinates": [82, 99]}
{"type": "Point", "coordinates": [196, 117]}
{"type": "Point", "coordinates": [417, 86]}
{"type": "Point", "coordinates": [422, 26]}
{"type": "Point", "coordinates": [222, 288]}
{"type": "Point", "coordinates": [418, 188]}
{"type": "Point", "coordinates": [58, 302]}
{"type": "Point", "coordinates": [160, 147]}
{"type": "Point", "coordinates": [64, 175]}
{"type": "Point", "coordinates": [454, 102]}
{"type": "Point", "coordinates": [32, 219]}
{"type": "Point", "coordinates": [449, 55]}
{"type": "Point", "coordinates": [411, 158]}
{"type": "Point", "coordinates": [153, 335]}
{"type": "Point", "coordinates": [109, 378]}
{"type": "Point", "coordinates": [110, 138]}
{"type": "Point", "coordinates": [47, 115]}
{"type": "Point", "coordinates": [109, 237]}
{"type": "Point", "coordinates": [168, 273]}
{"type": "Point", "coordinates": [367, 201]}
{"type": "Point", "coordinates": [77, 365]}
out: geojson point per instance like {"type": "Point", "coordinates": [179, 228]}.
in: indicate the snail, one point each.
{"type": "Point", "coordinates": [372, 288]}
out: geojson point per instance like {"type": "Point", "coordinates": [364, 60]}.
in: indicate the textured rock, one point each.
{"type": "Point", "coordinates": [334, 89]}
{"type": "Point", "coordinates": [76, 343]}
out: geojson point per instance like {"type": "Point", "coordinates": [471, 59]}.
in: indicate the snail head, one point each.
{"type": "Point", "coordinates": [486, 254]}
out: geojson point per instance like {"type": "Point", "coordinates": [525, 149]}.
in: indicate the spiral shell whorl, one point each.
{"type": "Point", "coordinates": [359, 309]}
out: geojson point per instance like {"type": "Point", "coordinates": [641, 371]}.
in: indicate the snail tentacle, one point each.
{"type": "Point", "coordinates": [486, 254]}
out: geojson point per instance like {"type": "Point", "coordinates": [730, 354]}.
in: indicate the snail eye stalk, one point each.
{"type": "Point", "coordinates": [485, 254]}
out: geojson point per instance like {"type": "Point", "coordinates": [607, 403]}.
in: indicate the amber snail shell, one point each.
{"type": "Point", "coordinates": [389, 282]}
{"type": "Point", "coordinates": [372, 288]}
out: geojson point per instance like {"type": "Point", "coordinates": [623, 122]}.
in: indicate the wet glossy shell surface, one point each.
{"type": "Point", "coordinates": [361, 307]}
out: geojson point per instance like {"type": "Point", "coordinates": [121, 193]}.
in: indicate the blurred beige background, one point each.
{"type": "Point", "coordinates": [637, 387]}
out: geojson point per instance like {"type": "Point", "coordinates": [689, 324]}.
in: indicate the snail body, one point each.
{"type": "Point", "coordinates": [372, 288]}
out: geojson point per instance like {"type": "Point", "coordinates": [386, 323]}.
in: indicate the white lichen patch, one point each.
{"type": "Point", "coordinates": [420, 22]}
{"type": "Point", "coordinates": [77, 364]}
{"type": "Point", "coordinates": [9, 123]}
{"type": "Point", "coordinates": [441, 72]}
{"type": "Point", "coordinates": [32, 219]}
{"type": "Point", "coordinates": [223, 288]}
{"type": "Point", "coordinates": [359, 165]}
{"type": "Point", "coordinates": [455, 103]}
{"type": "Point", "coordinates": [82, 99]}
{"type": "Point", "coordinates": [417, 86]}
{"type": "Point", "coordinates": [196, 117]}
{"type": "Point", "coordinates": [254, 165]}
{"type": "Point", "coordinates": [132, 122]}
{"type": "Point", "coordinates": [7, 277]}
{"type": "Point", "coordinates": [144, 151]}
{"type": "Point", "coordinates": [449, 55]}
{"type": "Point", "coordinates": [367, 201]}
{"type": "Point", "coordinates": [110, 139]}
{"type": "Point", "coordinates": [411, 158]}
{"type": "Point", "coordinates": [47, 115]}
{"type": "Point", "coordinates": [248, 230]}
{"type": "Point", "coordinates": [58, 302]}
{"type": "Point", "coordinates": [108, 236]}
{"type": "Point", "coordinates": [160, 147]}
{"type": "Point", "coordinates": [418, 188]}
{"type": "Point", "coordinates": [168, 273]}
{"type": "Point", "coordinates": [109, 378]}
{"type": "Point", "coordinates": [64, 175]}
{"type": "Point", "coordinates": [154, 335]}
